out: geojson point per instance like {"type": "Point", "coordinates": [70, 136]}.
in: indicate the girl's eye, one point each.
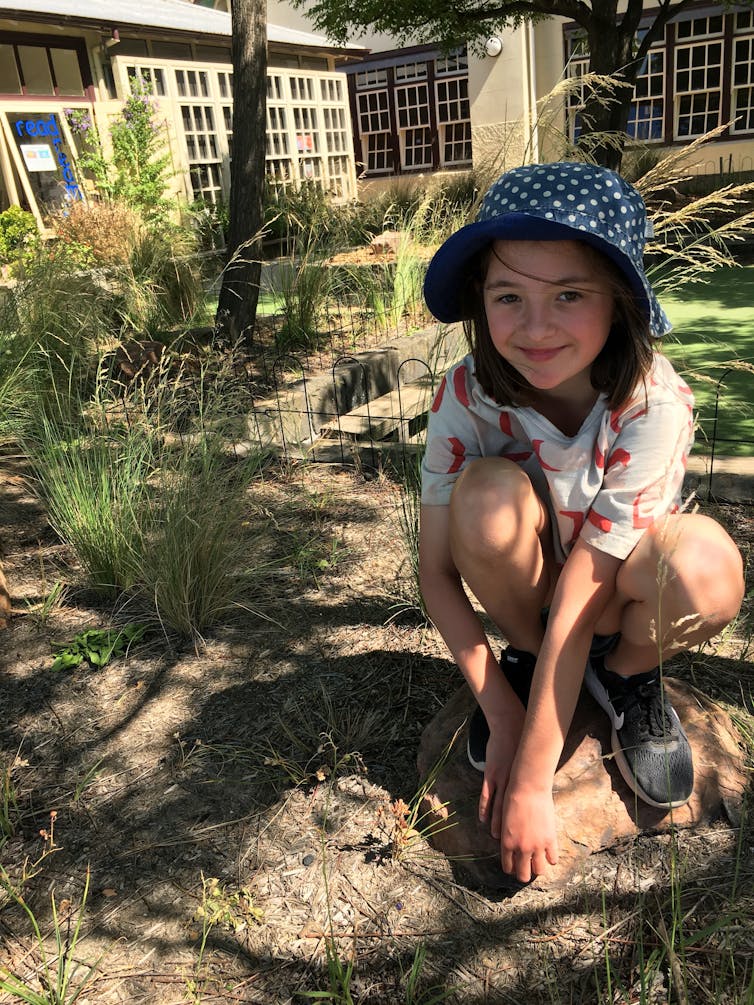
{"type": "Point", "coordinates": [507, 298]}
{"type": "Point", "coordinates": [569, 296]}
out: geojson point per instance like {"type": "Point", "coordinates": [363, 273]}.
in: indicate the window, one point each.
{"type": "Point", "coordinates": [455, 139]}
{"type": "Point", "coordinates": [417, 148]}
{"type": "Point", "coordinates": [10, 82]}
{"type": "Point", "coordinates": [374, 113]}
{"type": "Point", "coordinates": [454, 62]}
{"type": "Point", "coordinates": [453, 100]}
{"type": "Point", "coordinates": [203, 151]}
{"type": "Point", "coordinates": [415, 114]}
{"type": "Point", "coordinates": [192, 83]}
{"type": "Point", "coordinates": [647, 113]}
{"type": "Point", "coordinates": [412, 103]}
{"type": "Point", "coordinates": [699, 27]}
{"type": "Point", "coordinates": [35, 69]}
{"type": "Point", "coordinates": [371, 78]}
{"type": "Point", "coordinates": [379, 153]}
{"type": "Point", "coordinates": [742, 101]}
{"type": "Point", "coordinates": [331, 90]}
{"type": "Point", "coordinates": [698, 80]}
{"type": "Point", "coordinates": [411, 71]}
{"type": "Point", "coordinates": [153, 75]}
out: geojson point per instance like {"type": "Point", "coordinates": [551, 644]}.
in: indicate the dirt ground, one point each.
{"type": "Point", "coordinates": [239, 805]}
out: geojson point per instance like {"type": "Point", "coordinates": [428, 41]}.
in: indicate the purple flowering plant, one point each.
{"type": "Point", "coordinates": [138, 170]}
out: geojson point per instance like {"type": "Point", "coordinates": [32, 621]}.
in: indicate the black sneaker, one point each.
{"type": "Point", "coordinates": [650, 747]}
{"type": "Point", "coordinates": [518, 667]}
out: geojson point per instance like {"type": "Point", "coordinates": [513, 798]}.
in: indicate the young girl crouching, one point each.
{"type": "Point", "coordinates": [551, 483]}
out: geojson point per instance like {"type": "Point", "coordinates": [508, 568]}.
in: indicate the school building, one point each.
{"type": "Point", "coordinates": [62, 55]}
{"type": "Point", "coordinates": [348, 117]}
{"type": "Point", "coordinates": [418, 110]}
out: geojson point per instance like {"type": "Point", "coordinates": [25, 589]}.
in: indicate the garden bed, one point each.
{"type": "Point", "coordinates": [242, 804]}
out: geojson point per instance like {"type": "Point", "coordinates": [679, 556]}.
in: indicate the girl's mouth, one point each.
{"type": "Point", "coordinates": [540, 355]}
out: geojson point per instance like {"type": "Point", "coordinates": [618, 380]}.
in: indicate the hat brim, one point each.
{"type": "Point", "coordinates": [446, 277]}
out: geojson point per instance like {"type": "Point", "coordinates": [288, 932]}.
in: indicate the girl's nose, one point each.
{"type": "Point", "coordinates": [537, 320]}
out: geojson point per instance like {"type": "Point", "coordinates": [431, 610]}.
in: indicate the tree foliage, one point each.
{"type": "Point", "coordinates": [610, 34]}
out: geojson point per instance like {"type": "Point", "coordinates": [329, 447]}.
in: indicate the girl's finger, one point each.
{"type": "Point", "coordinates": [485, 799]}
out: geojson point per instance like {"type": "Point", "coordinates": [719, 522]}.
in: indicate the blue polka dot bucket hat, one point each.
{"type": "Point", "coordinates": [550, 202]}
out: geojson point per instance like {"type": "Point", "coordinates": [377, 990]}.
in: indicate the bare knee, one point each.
{"type": "Point", "coordinates": [492, 505]}
{"type": "Point", "coordinates": [697, 570]}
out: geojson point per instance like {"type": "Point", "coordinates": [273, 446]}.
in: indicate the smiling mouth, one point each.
{"type": "Point", "coordinates": [541, 355]}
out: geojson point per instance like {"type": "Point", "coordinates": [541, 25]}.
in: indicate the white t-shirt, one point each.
{"type": "Point", "coordinates": [622, 470]}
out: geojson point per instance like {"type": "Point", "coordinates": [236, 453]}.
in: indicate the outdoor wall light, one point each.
{"type": "Point", "coordinates": [493, 46]}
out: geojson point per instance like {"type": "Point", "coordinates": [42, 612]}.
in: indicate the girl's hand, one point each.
{"type": "Point", "coordinates": [529, 839]}
{"type": "Point", "coordinates": [501, 750]}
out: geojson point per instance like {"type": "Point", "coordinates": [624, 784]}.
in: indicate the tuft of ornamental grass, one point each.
{"type": "Point", "coordinates": [152, 515]}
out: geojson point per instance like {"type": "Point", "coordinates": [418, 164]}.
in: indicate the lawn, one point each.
{"type": "Point", "coordinates": [712, 343]}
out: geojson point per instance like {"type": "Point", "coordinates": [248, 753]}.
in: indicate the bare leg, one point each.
{"type": "Point", "coordinates": [682, 584]}
{"type": "Point", "coordinates": [499, 540]}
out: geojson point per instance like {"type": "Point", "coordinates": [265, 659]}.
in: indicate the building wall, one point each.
{"type": "Point", "coordinates": [45, 71]}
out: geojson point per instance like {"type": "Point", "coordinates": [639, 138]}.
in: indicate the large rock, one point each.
{"type": "Point", "coordinates": [594, 806]}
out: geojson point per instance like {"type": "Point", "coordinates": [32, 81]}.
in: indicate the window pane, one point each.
{"type": "Point", "coordinates": [35, 69]}
{"type": "Point", "coordinates": [9, 82]}
{"type": "Point", "coordinates": [65, 63]}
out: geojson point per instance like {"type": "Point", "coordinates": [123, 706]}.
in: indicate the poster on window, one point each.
{"type": "Point", "coordinates": [38, 157]}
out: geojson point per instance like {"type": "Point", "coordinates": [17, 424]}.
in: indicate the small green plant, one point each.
{"type": "Point", "coordinates": [414, 995]}
{"type": "Point", "coordinates": [410, 600]}
{"type": "Point", "coordinates": [303, 284]}
{"type": "Point", "coordinates": [339, 976]}
{"type": "Point", "coordinates": [9, 810]}
{"type": "Point", "coordinates": [220, 908]}
{"type": "Point", "coordinates": [18, 234]}
{"type": "Point", "coordinates": [61, 979]}
{"type": "Point", "coordinates": [97, 647]}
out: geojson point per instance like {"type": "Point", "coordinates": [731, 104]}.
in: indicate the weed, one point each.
{"type": "Point", "coordinates": [96, 647]}
{"type": "Point", "coordinates": [60, 979]}
{"type": "Point", "coordinates": [9, 811]}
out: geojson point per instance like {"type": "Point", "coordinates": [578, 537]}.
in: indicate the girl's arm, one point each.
{"type": "Point", "coordinates": [584, 588]}
{"type": "Point", "coordinates": [453, 615]}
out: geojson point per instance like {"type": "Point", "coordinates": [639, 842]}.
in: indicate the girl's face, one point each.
{"type": "Point", "coordinates": [549, 307]}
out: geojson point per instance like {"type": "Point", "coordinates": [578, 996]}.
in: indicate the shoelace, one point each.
{"type": "Point", "coordinates": [654, 723]}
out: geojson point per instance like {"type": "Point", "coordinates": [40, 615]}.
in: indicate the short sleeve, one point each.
{"type": "Point", "coordinates": [643, 474]}
{"type": "Point", "coordinates": [452, 436]}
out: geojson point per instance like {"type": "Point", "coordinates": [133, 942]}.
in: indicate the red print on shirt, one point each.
{"type": "Point", "coordinates": [643, 507]}
{"type": "Point", "coordinates": [459, 453]}
{"type": "Point", "coordinates": [616, 418]}
{"type": "Point", "coordinates": [505, 424]}
{"type": "Point", "coordinates": [537, 444]}
{"type": "Point", "coordinates": [619, 456]}
{"type": "Point", "coordinates": [599, 521]}
{"type": "Point", "coordinates": [439, 396]}
{"type": "Point", "coordinates": [459, 385]}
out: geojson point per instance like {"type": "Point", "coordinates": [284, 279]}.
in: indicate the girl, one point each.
{"type": "Point", "coordinates": [550, 485]}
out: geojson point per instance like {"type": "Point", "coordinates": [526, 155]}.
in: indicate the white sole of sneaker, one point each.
{"type": "Point", "coordinates": [598, 691]}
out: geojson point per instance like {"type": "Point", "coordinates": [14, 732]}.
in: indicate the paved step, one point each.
{"type": "Point", "coordinates": [387, 414]}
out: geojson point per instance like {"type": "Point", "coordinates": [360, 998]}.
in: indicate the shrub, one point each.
{"type": "Point", "coordinates": [18, 233]}
{"type": "Point", "coordinates": [109, 230]}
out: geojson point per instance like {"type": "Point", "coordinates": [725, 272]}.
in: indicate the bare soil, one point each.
{"type": "Point", "coordinates": [242, 803]}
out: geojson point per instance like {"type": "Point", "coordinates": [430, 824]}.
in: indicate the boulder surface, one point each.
{"type": "Point", "coordinates": [595, 808]}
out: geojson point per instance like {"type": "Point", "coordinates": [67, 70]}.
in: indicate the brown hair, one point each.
{"type": "Point", "coordinates": [621, 366]}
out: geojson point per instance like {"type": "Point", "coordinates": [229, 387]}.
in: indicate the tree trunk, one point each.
{"type": "Point", "coordinates": [239, 294]}
{"type": "Point", "coordinates": [607, 113]}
